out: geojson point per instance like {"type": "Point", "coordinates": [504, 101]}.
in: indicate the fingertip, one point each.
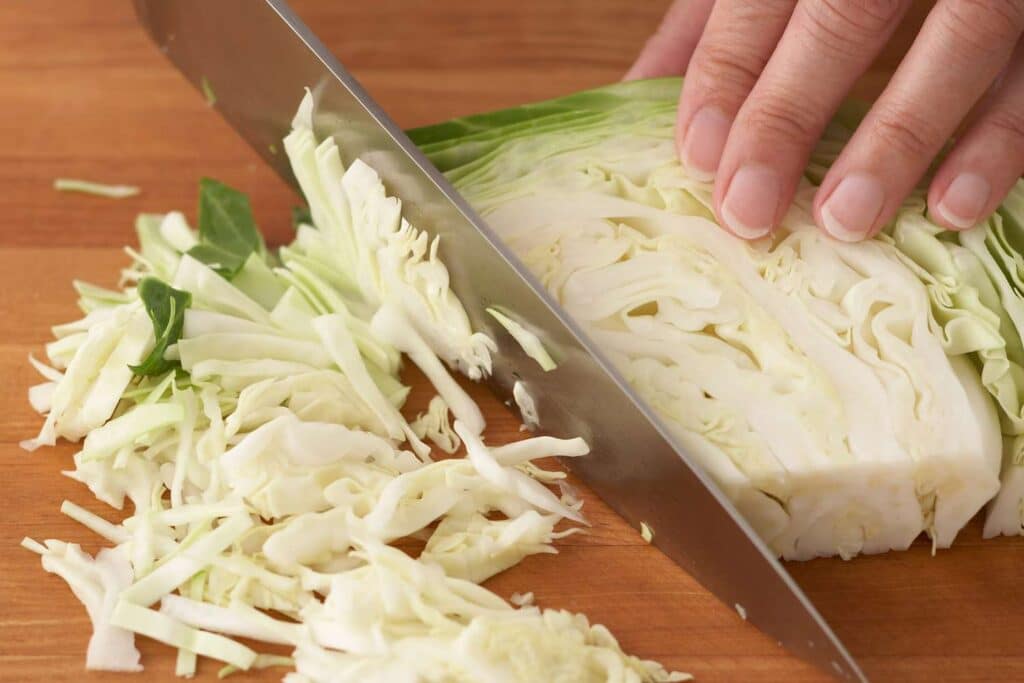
{"type": "Point", "coordinates": [749, 206]}
{"type": "Point", "coordinates": [851, 212]}
{"type": "Point", "coordinates": [667, 52]}
{"type": "Point", "coordinates": [701, 142]}
{"type": "Point", "coordinates": [963, 203]}
{"type": "Point", "coordinates": [640, 67]}
{"type": "Point", "coordinates": [639, 70]}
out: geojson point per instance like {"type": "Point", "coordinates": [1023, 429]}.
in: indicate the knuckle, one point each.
{"type": "Point", "coordinates": [753, 14]}
{"type": "Point", "coordinates": [907, 134]}
{"type": "Point", "coordinates": [983, 27]}
{"type": "Point", "coordinates": [724, 66]}
{"type": "Point", "coordinates": [845, 26]}
{"type": "Point", "coordinates": [1008, 122]}
{"type": "Point", "coordinates": [776, 118]}
{"type": "Point", "coordinates": [881, 12]}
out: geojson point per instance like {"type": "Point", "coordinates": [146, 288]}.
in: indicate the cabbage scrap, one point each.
{"type": "Point", "coordinates": [97, 583]}
{"type": "Point", "coordinates": [530, 342]}
{"type": "Point", "coordinates": [96, 189]}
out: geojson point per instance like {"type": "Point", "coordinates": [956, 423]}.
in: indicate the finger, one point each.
{"type": "Point", "coordinates": [737, 42]}
{"type": "Point", "coordinates": [668, 50]}
{"type": "Point", "coordinates": [786, 112]}
{"type": "Point", "coordinates": [961, 48]}
{"type": "Point", "coordinates": [986, 161]}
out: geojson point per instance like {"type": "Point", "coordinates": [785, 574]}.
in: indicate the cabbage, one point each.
{"type": "Point", "coordinates": [94, 188]}
{"type": "Point", "coordinates": [249, 405]}
{"type": "Point", "coordinates": [974, 281]}
{"type": "Point", "coordinates": [452, 630]}
{"type": "Point", "coordinates": [97, 582]}
{"type": "Point", "coordinates": [530, 342]}
{"type": "Point", "coordinates": [845, 397]}
{"type": "Point", "coordinates": [434, 425]}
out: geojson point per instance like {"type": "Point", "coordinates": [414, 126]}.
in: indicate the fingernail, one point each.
{"type": "Point", "coordinates": [704, 141]}
{"type": "Point", "coordinates": [964, 200]}
{"type": "Point", "coordinates": [751, 201]}
{"type": "Point", "coordinates": [850, 212]}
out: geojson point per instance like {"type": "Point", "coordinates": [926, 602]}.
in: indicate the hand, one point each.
{"type": "Point", "coordinates": [764, 77]}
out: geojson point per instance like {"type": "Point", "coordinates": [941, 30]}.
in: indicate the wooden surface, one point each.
{"type": "Point", "coordinates": [84, 94]}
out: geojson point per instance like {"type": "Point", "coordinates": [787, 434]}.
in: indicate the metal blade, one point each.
{"type": "Point", "coordinates": [256, 58]}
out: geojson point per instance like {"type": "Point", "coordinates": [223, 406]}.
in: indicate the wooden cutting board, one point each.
{"type": "Point", "coordinates": [84, 94]}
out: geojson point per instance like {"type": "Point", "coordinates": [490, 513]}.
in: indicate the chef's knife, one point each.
{"type": "Point", "coordinates": [252, 59]}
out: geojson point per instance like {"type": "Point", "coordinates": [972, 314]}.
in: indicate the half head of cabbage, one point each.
{"type": "Point", "coordinates": [847, 397]}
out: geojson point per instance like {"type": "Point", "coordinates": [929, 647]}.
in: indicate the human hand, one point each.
{"type": "Point", "coordinates": [763, 78]}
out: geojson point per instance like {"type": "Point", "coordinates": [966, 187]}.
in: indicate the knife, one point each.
{"type": "Point", "coordinates": [252, 59]}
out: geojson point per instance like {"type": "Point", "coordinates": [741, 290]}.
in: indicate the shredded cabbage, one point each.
{"type": "Point", "coordinates": [93, 188]}
{"type": "Point", "coordinates": [249, 406]}
{"type": "Point", "coordinates": [530, 342]}
{"type": "Point", "coordinates": [97, 583]}
{"type": "Point", "coordinates": [435, 426]}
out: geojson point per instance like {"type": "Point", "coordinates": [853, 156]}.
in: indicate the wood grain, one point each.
{"type": "Point", "coordinates": [84, 94]}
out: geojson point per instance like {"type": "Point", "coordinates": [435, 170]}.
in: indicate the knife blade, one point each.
{"type": "Point", "coordinates": [253, 59]}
